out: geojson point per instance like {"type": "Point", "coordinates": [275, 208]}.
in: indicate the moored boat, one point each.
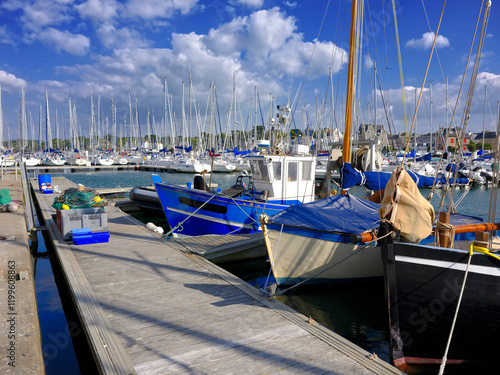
{"type": "Point", "coordinates": [146, 198]}
{"type": "Point", "coordinates": [277, 181]}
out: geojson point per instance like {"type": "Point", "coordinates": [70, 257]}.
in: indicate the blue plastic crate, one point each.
{"type": "Point", "coordinates": [83, 236]}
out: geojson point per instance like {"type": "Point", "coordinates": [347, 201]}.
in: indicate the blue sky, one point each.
{"type": "Point", "coordinates": [66, 47]}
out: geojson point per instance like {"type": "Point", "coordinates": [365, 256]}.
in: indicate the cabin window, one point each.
{"type": "Point", "coordinates": [306, 170]}
{"type": "Point", "coordinates": [203, 205]}
{"type": "Point", "coordinates": [292, 171]}
{"type": "Point", "coordinates": [264, 171]}
{"type": "Point", "coordinates": [259, 170]}
{"type": "Point", "coordinates": [254, 166]}
{"type": "Point", "coordinates": [277, 170]}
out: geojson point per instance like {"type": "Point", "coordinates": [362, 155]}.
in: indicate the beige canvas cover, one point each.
{"type": "Point", "coordinates": [405, 208]}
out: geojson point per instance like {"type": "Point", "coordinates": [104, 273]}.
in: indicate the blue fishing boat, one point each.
{"type": "Point", "coordinates": [276, 182]}
{"type": "Point", "coordinates": [280, 176]}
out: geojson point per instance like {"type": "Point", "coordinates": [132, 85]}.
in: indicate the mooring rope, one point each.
{"type": "Point", "coordinates": [445, 227]}
{"type": "Point", "coordinates": [443, 361]}
{"type": "Point", "coordinates": [281, 292]}
{"type": "Point", "coordinates": [180, 225]}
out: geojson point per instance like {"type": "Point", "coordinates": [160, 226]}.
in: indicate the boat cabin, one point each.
{"type": "Point", "coordinates": [283, 179]}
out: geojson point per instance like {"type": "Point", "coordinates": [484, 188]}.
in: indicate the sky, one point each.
{"type": "Point", "coordinates": [285, 50]}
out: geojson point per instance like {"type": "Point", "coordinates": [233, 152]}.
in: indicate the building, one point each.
{"type": "Point", "coordinates": [451, 138]}
{"type": "Point", "coordinates": [370, 132]}
{"type": "Point", "coordinates": [490, 138]}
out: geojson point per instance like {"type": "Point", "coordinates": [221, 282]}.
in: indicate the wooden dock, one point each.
{"type": "Point", "coordinates": [150, 307]}
{"type": "Point", "coordinates": [20, 338]}
{"type": "Point", "coordinates": [221, 249]}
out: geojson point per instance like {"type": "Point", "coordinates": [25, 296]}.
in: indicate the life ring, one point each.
{"type": "Point", "coordinates": [244, 172]}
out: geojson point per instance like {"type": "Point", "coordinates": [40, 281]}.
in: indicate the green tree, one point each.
{"type": "Point", "coordinates": [472, 147]}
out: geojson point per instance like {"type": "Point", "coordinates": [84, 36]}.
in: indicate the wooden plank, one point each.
{"type": "Point", "coordinates": [106, 348]}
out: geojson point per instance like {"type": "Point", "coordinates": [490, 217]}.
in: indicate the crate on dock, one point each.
{"type": "Point", "coordinates": [45, 183]}
{"type": "Point", "coordinates": [83, 236]}
{"type": "Point", "coordinates": [94, 218]}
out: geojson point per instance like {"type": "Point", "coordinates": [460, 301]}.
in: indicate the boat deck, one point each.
{"type": "Point", "coordinates": [150, 307]}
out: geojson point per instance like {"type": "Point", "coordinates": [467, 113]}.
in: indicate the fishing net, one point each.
{"type": "Point", "coordinates": [81, 197]}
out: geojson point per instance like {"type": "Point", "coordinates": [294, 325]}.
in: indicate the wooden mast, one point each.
{"type": "Point", "coordinates": [346, 152]}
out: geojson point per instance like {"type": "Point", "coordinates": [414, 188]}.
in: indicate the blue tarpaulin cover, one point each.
{"type": "Point", "coordinates": [375, 180]}
{"type": "Point", "coordinates": [340, 213]}
{"type": "Point", "coordinates": [350, 177]}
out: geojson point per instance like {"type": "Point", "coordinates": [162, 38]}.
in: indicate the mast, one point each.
{"type": "Point", "coordinates": [1, 118]}
{"type": "Point", "coordinates": [430, 94]}
{"type": "Point", "coordinates": [48, 130]}
{"type": "Point", "coordinates": [484, 116]}
{"type": "Point", "coordinates": [346, 153]}
{"type": "Point", "coordinates": [415, 133]}
{"type": "Point", "coordinates": [375, 96]}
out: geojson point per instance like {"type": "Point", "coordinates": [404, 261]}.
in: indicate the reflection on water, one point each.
{"type": "Point", "coordinates": [355, 311]}
{"type": "Point", "coordinates": [64, 346]}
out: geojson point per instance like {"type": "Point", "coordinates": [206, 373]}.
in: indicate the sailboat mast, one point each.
{"type": "Point", "coordinates": [346, 154]}
{"type": "Point", "coordinates": [1, 119]}
{"type": "Point", "coordinates": [430, 94]}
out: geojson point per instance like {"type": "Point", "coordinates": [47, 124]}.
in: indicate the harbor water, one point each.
{"type": "Point", "coordinates": [356, 311]}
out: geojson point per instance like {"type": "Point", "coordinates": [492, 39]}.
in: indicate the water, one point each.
{"type": "Point", "coordinates": [123, 179]}
{"type": "Point", "coordinates": [64, 346]}
{"type": "Point", "coordinates": [357, 311]}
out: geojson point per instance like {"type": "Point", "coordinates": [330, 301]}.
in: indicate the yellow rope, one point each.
{"type": "Point", "coordinates": [483, 250]}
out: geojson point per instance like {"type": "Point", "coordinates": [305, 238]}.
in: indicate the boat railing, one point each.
{"type": "Point", "coordinates": [367, 237]}
{"type": "Point", "coordinates": [3, 166]}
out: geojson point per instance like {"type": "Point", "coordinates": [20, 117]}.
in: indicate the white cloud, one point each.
{"type": "Point", "coordinates": [150, 9]}
{"type": "Point", "coordinates": [4, 36]}
{"type": "Point", "coordinates": [248, 3]}
{"type": "Point", "coordinates": [40, 14]}
{"type": "Point", "coordinates": [427, 40]}
{"type": "Point", "coordinates": [368, 62]}
{"type": "Point", "coordinates": [98, 10]}
{"type": "Point", "coordinates": [75, 44]}
{"type": "Point", "coordinates": [124, 37]}
{"type": "Point", "coordinates": [10, 82]}
{"type": "Point", "coordinates": [489, 79]}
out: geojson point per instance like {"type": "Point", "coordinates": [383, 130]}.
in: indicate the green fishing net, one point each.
{"type": "Point", "coordinates": [81, 197]}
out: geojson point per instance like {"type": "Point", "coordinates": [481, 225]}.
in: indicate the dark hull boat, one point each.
{"type": "Point", "coordinates": [146, 198]}
{"type": "Point", "coordinates": [424, 284]}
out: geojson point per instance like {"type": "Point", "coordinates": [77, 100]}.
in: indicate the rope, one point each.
{"type": "Point", "coordinates": [483, 250]}
{"type": "Point", "coordinates": [459, 200]}
{"type": "Point", "coordinates": [180, 225]}
{"type": "Point", "coordinates": [445, 227]}
{"type": "Point", "coordinates": [316, 274]}
{"type": "Point", "coordinates": [423, 83]}
{"type": "Point", "coordinates": [443, 361]}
